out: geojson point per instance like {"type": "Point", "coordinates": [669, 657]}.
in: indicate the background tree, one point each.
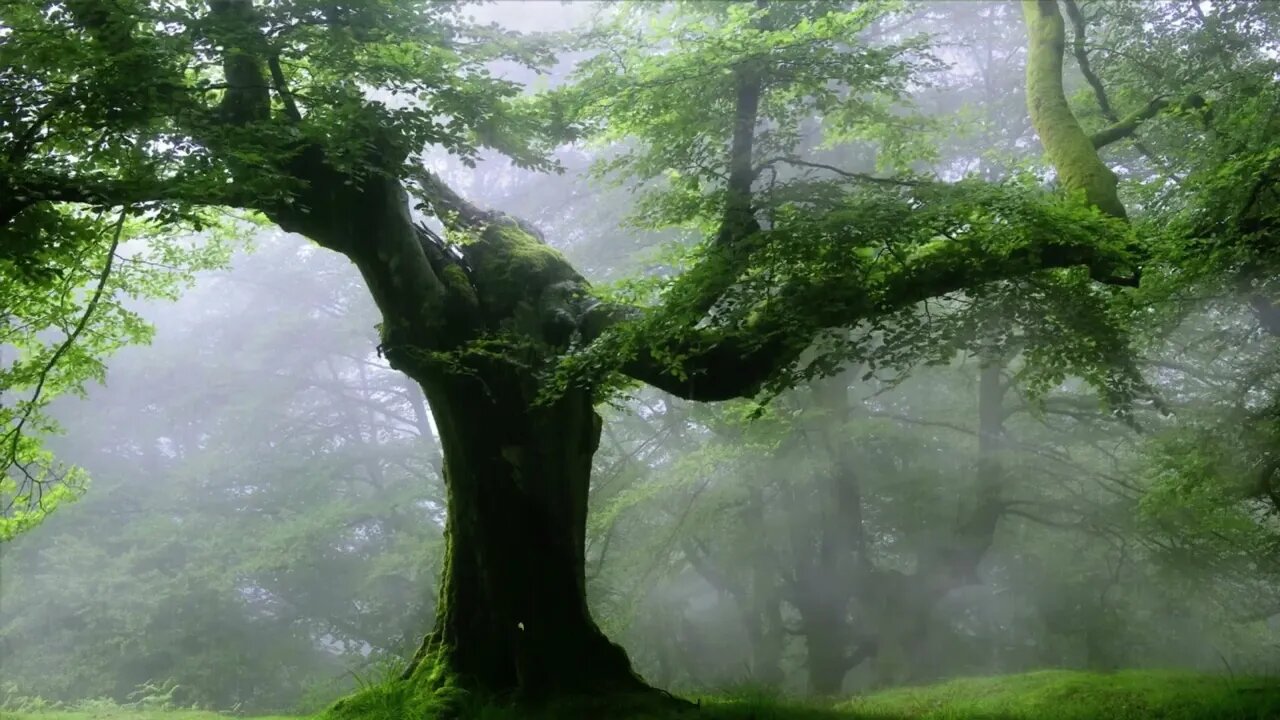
{"type": "Point", "coordinates": [250, 546]}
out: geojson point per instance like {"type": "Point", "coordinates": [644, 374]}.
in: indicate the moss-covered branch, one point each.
{"type": "Point", "coordinates": [1129, 125]}
{"type": "Point", "coordinates": [714, 366]}
{"type": "Point", "coordinates": [1126, 127]}
{"type": "Point", "coordinates": [1071, 151]}
{"type": "Point", "coordinates": [750, 348]}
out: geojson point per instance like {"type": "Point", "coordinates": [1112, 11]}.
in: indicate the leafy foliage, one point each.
{"type": "Point", "coordinates": [250, 536]}
{"type": "Point", "coordinates": [80, 288]}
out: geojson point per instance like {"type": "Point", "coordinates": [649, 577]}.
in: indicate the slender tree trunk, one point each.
{"type": "Point", "coordinates": [838, 568]}
{"type": "Point", "coordinates": [760, 603]}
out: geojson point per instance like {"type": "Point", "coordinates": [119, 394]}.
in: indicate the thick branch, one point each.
{"type": "Point", "coordinates": [700, 561]}
{"type": "Point", "coordinates": [1124, 128]}
{"type": "Point", "coordinates": [20, 194]}
{"type": "Point", "coordinates": [724, 364]}
{"type": "Point", "coordinates": [234, 26]}
{"type": "Point", "coordinates": [717, 366]}
{"type": "Point", "coordinates": [282, 89]}
{"type": "Point", "coordinates": [108, 192]}
{"type": "Point", "coordinates": [455, 211]}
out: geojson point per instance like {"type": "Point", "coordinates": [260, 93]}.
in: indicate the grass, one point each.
{"type": "Point", "coordinates": [1064, 695]}
{"type": "Point", "coordinates": [1045, 695]}
{"type": "Point", "coordinates": [125, 713]}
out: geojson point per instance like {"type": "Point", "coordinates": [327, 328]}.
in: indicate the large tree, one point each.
{"type": "Point", "coordinates": [314, 114]}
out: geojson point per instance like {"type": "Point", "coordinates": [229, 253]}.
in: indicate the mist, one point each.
{"type": "Point", "coordinates": [945, 491]}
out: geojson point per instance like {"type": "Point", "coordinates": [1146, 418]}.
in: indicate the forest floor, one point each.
{"type": "Point", "coordinates": [1045, 695]}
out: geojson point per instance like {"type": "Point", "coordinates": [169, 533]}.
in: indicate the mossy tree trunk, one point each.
{"type": "Point", "coordinates": [1071, 151]}
{"type": "Point", "coordinates": [476, 330]}
{"type": "Point", "coordinates": [512, 609]}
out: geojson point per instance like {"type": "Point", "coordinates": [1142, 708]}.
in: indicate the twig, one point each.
{"type": "Point", "coordinates": [14, 436]}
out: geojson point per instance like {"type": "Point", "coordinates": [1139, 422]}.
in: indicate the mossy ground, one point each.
{"type": "Point", "coordinates": [1046, 695]}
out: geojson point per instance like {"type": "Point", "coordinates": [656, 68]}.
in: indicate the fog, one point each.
{"type": "Point", "coordinates": [263, 526]}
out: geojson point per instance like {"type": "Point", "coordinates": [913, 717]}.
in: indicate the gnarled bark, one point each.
{"type": "Point", "coordinates": [512, 609]}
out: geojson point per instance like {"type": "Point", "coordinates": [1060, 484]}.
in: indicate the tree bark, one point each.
{"type": "Point", "coordinates": [476, 331]}
{"type": "Point", "coordinates": [839, 567]}
{"type": "Point", "coordinates": [512, 609]}
{"type": "Point", "coordinates": [826, 658]}
{"type": "Point", "coordinates": [1071, 151]}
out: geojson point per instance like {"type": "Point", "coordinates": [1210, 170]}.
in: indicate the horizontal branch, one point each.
{"type": "Point", "coordinates": [721, 364]}
{"type": "Point", "coordinates": [1048, 522]}
{"type": "Point", "coordinates": [1129, 125]}
{"type": "Point", "coordinates": [112, 192]}
{"type": "Point", "coordinates": [863, 177]}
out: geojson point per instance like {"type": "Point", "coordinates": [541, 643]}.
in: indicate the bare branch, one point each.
{"type": "Point", "coordinates": [1081, 52]}
{"type": "Point", "coordinates": [842, 173]}
{"type": "Point", "coordinates": [282, 89]}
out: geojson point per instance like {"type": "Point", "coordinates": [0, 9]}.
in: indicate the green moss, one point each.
{"type": "Point", "coordinates": [513, 266]}
{"type": "Point", "coordinates": [1045, 695]}
{"type": "Point", "coordinates": [430, 692]}
{"type": "Point", "coordinates": [120, 712]}
{"type": "Point", "coordinates": [1071, 151]}
{"type": "Point", "coordinates": [459, 285]}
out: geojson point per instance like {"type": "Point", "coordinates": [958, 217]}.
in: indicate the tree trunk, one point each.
{"type": "Point", "coordinates": [767, 644]}
{"type": "Point", "coordinates": [512, 612]}
{"type": "Point", "coordinates": [1071, 151]}
{"type": "Point", "coordinates": [838, 568]}
{"type": "Point", "coordinates": [826, 656]}
{"type": "Point", "coordinates": [900, 608]}
{"type": "Point", "coordinates": [475, 327]}
{"type": "Point", "coordinates": [760, 600]}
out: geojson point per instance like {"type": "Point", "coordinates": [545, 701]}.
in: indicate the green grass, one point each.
{"type": "Point", "coordinates": [125, 713]}
{"type": "Point", "coordinates": [1046, 695]}
{"type": "Point", "coordinates": [1063, 695]}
